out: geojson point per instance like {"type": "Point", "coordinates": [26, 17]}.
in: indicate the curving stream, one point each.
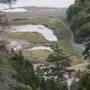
{"type": "Point", "coordinates": [80, 47]}
{"type": "Point", "coordinates": [46, 32]}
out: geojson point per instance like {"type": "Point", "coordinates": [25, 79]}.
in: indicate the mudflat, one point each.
{"type": "Point", "coordinates": [37, 12]}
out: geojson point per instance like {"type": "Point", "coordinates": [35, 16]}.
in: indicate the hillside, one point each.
{"type": "Point", "coordinates": [29, 40]}
{"type": "Point", "coordinates": [79, 18]}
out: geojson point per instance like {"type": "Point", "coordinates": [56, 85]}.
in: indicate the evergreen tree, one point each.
{"type": "Point", "coordinates": [86, 53]}
{"type": "Point", "coordinates": [51, 84]}
{"type": "Point", "coordinates": [23, 87]}
{"type": "Point", "coordinates": [59, 61]}
{"type": "Point", "coordinates": [40, 73]}
{"type": "Point", "coordinates": [74, 85]}
{"type": "Point", "coordinates": [24, 69]}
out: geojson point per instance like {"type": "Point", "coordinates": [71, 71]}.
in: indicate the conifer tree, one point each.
{"type": "Point", "coordinates": [59, 61]}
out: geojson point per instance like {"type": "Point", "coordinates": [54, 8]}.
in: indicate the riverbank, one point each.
{"type": "Point", "coordinates": [53, 18]}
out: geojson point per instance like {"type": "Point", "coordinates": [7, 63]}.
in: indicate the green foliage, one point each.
{"type": "Point", "coordinates": [80, 25]}
{"type": "Point", "coordinates": [26, 74]}
{"type": "Point", "coordinates": [40, 75]}
{"type": "Point", "coordinates": [84, 83]}
{"type": "Point", "coordinates": [86, 53]}
{"type": "Point", "coordinates": [78, 21]}
{"type": "Point", "coordinates": [59, 61]}
{"type": "Point", "coordinates": [37, 53]}
{"type": "Point", "coordinates": [74, 85]}
{"type": "Point", "coordinates": [79, 17]}
{"type": "Point", "coordinates": [51, 75]}
{"type": "Point", "coordinates": [24, 69]}
{"type": "Point", "coordinates": [31, 37]}
{"type": "Point", "coordinates": [87, 10]}
{"type": "Point", "coordinates": [79, 1]}
{"type": "Point", "coordinates": [51, 84]}
{"type": "Point", "coordinates": [83, 34]}
{"type": "Point", "coordinates": [54, 70]}
{"type": "Point", "coordinates": [23, 87]}
{"type": "Point", "coordinates": [73, 10]}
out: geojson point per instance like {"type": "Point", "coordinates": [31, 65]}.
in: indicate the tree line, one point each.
{"type": "Point", "coordinates": [78, 16]}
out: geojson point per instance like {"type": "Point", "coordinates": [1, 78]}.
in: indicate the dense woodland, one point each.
{"type": "Point", "coordinates": [18, 73]}
{"type": "Point", "coordinates": [78, 15]}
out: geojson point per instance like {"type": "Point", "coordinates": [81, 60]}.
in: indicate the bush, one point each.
{"type": "Point", "coordinates": [78, 21]}
{"type": "Point", "coordinates": [83, 33]}
{"type": "Point", "coordinates": [78, 15]}
{"type": "Point", "coordinates": [24, 70]}
{"type": "Point", "coordinates": [23, 87]}
{"type": "Point", "coordinates": [73, 10]}
{"type": "Point", "coordinates": [84, 83]}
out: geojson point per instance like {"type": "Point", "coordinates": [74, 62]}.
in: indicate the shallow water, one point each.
{"type": "Point", "coordinates": [41, 48]}
{"type": "Point", "coordinates": [80, 47]}
{"type": "Point", "coordinates": [15, 10]}
{"type": "Point", "coordinates": [46, 32]}
{"type": "Point", "coordinates": [44, 3]}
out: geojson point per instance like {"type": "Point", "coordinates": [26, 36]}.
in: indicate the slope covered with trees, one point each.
{"type": "Point", "coordinates": [79, 18]}
{"type": "Point", "coordinates": [78, 15]}
{"type": "Point", "coordinates": [18, 73]}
